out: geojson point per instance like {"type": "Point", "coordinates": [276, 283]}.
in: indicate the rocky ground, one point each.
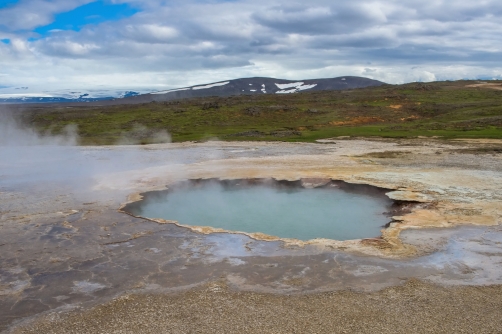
{"type": "Point", "coordinates": [65, 247]}
{"type": "Point", "coordinates": [415, 307]}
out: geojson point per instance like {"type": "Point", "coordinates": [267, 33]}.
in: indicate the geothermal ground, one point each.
{"type": "Point", "coordinates": [72, 262]}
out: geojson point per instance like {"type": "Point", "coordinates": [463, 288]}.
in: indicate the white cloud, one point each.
{"type": "Point", "coordinates": [172, 44]}
{"type": "Point", "coordinates": [150, 33]}
{"type": "Point", "coordinates": [74, 49]}
{"type": "Point", "coordinates": [29, 14]}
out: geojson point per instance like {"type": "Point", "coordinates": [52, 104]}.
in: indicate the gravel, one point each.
{"type": "Point", "coordinates": [415, 307]}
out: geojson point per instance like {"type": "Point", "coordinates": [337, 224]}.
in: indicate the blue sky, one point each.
{"type": "Point", "coordinates": [160, 44]}
{"type": "Point", "coordinates": [91, 13]}
{"type": "Point", "coordinates": [5, 3]}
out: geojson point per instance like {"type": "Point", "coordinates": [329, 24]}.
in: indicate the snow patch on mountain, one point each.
{"type": "Point", "coordinates": [296, 87]}
{"type": "Point", "coordinates": [37, 95]}
{"type": "Point", "coordinates": [304, 87]}
{"type": "Point", "coordinates": [211, 85]}
{"type": "Point", "coordinates": [288, 85]}
{"type": "Point", "coordinates": [290, 91]}
{"type": "Point", "coordinates": [170, 91]}
{"type": "Point", "coordinates": [128, 94]}
{"type": "Point", "coordinates": [19, 96]}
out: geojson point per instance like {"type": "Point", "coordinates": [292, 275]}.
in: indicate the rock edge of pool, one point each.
{"type": "Point", "coordinates": [394, 209]}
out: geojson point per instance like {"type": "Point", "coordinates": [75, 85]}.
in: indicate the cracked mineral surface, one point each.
{"type": "Point", "coordinates": [72, 262]}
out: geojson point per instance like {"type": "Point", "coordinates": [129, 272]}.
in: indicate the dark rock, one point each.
{"type": "Point", "coordinates": [252, 133]}
{"type": "Point", "coordinates": [210, 105]}
{"type": "Point", "coordinates": [285, 133]}
{"type": "Point", "coordinates": [252, 111]}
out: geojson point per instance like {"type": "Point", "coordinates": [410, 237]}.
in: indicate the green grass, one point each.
{"type": "Point", "coordinates": [446, 109]}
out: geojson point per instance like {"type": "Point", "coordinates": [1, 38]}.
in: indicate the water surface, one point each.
{"type": "Point", "coordinates": [287, 212]}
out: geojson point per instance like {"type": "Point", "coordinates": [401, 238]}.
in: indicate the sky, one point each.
{"type": "Point", "coordinates": [163, 44]}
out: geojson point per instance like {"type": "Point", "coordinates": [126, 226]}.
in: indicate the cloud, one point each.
{"type": "Point", "coordinates": [68, 48]}
{"type": "Point", "coordinates": [30, 14]}
{"type": "Point", "coordinates": [150, 33]}
{"type": "Point", "coordinates": [334, 19]}
{"type": "Point", "coordinates": [177, 43]}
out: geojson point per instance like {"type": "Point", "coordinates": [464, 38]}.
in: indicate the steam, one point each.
{"type": "Point", "coordinates": [13, 133]}
{"type": "Point", "coordinates": [141, 134]}
{"type": "Point", "coordinates": [28, 157]}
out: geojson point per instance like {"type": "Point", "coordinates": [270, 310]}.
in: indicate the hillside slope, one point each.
{"type": "Point", "coordinates": [446, 109]}
{"type": "Point", "coordinates": [256, 86]}
{"type": "Point", "coordinates": [245, 86]}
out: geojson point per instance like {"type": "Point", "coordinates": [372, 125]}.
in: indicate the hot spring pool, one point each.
{"type": "Point", "coordinates": [284, 209]}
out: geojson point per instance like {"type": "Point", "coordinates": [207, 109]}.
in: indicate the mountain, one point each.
{"type": "Point", "coordinates": [22, 95]}
{"type": "Point", "coordinates": [257, 85]}
{"type": "Point", "coordinates": [245, 86]}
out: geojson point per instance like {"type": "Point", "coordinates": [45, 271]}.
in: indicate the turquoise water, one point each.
{"type": "Point", "coordinates": [284, 212]}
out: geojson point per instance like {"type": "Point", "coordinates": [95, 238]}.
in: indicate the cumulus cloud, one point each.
{"type": "Point", "coordinates": [177, 43]}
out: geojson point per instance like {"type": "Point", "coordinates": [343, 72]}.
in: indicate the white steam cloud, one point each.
{"type": "Point", "coordinates": [13, 133]}
{"type": "Point", "coordinates": [28, 156]}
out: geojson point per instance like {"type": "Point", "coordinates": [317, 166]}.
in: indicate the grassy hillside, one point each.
{"type": "Point", "coordinates": [447, 109]}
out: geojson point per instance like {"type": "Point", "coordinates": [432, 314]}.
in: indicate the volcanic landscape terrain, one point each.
{"type": "Point", "coordinates": [74, 262]}
{"type": "Point", "coordinates": [460, 109]}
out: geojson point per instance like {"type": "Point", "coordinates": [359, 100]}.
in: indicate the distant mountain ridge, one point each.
{"type": "Point", "coordinates": [243, 86]}
{"type": "Point", "coordinates": [63, 98]}
{"type": "Point", "coordinates": [257, 85]}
